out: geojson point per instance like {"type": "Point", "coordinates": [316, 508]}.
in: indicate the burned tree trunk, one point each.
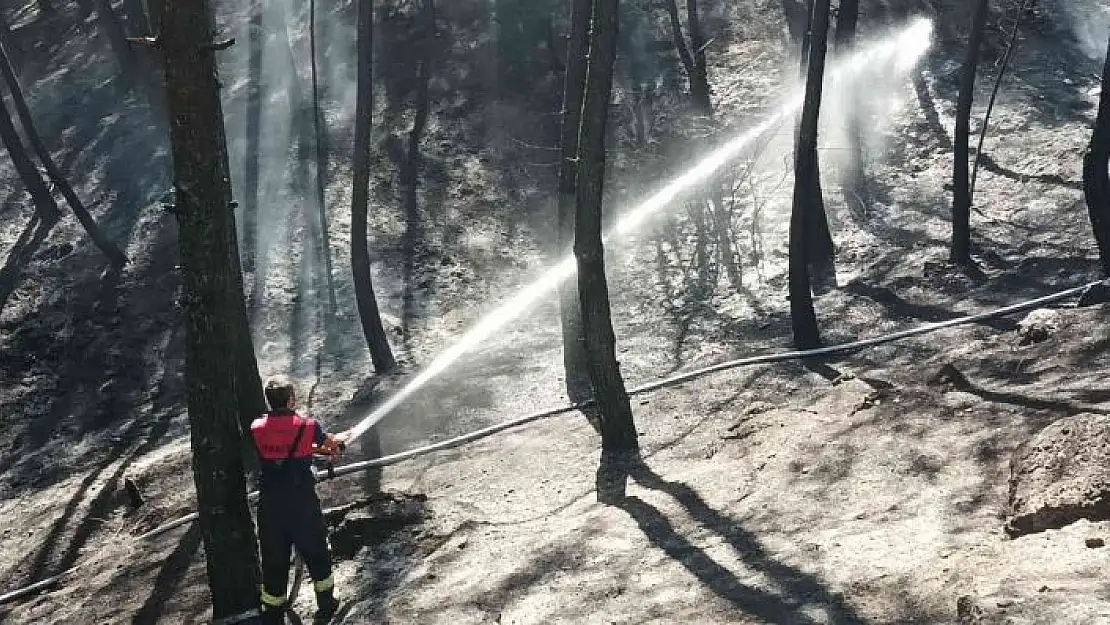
{"type": "Point", "coordinates": [618, 431]}
{"type": "Point", "coordinates": [961, 184]}
{"type": "Point", "coordinates": [797, 20]}
{"type": "Point", "coordinates": [692, 55]}
{"type": "Point", "coordinates": [380, 353]}
{"type": "Point", "coordinates": [320, 142]}
{"type": "Point", "coordinates": [699, 80]}
{"type": "Point", "coordinates": [575, 359]}
{"type": "Point", "coordinates": [807, 191]}
{"type": "Point", "coordinates": [252, 153]}
{"type": "Point", "coordinates": [817, 238]}
{"type": "Point", "coordinates": [45, 206]}
{"type": "Point", "coordinates": [110, 250]}
{"type": "Point", "coordinates": [1096, 179]}
{"type": "Point", "coordinates": [853, 177]}
{"type": "Point", "coordinates": [207, 226]}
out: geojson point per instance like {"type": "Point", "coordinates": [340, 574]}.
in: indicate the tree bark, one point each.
{"type": "Point", "coordinates": [320, 142]}
{"type": "Point", "coordinates": [803, 317]}
{"type": "Point", "coordinates": [1011, 47]}
{"type": "Point", "coordinates": [794, 12]}
{"type": "Point", "coordinates": [575, 359]}
{"type": "Point", "coordinates": [845, 38]}
{"type": "Point", "coordinates": [807, 39]}
{"type": "Point", "coordinates": [618, 431]}
{"type": "Point", "coordinates": [817, 238]}
{"type": "Point", "coordinates": [1096, 179]}
{"type": "Point", "coordinates": [207, 233]}
{"type": "Point", "coordinates": [45, 205]}
{"type": "Point", "coordinates": [107, 247]}
{"type": "Point", "coordinates": [699, 80]}
{"type": "Point", "coordinates": [377, 341]}
{"type": "Point", "coordinates": [961, 184]}
{"type": "Point", "coordinates": [252, 156]}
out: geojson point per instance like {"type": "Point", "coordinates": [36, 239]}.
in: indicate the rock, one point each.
{"type": "Point", "coordinates": [1038, 326]}
{"type": "Point", "coordinates": [1061, 475]}
{"type": "Point", "coordinates": [1095, 543]}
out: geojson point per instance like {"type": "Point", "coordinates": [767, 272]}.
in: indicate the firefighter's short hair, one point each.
{"type": "Point", "coordinates": [279, 392]}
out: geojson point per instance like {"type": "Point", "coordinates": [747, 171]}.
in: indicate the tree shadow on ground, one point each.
{"type": "Point", "coordinates": [20, 255]}
{"type": "Point", "coordinates": [174, 570]}
{"type": "Point", "coordinates": [795, 589]}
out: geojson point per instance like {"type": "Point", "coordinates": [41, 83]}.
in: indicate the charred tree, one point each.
{"type": "Point", "coordinates": [847, 19]}
{"type": "Point", "coordinates": [807, 39]}
{"type": "Point", "coordinates": [692, 55]}
{"type": "Point", "coordinates": [807, 190]}
{"type": "Point", "coordinates": [380, 353]}
{"type": "Point", "coordinates": [699, 80]}
{"type": "Point", "coordinates": [817, 238]}
{"type": "Point", "coordinates": [320, 141]}
{"type": "Point", "coordinates": [1096, 179]}
{"type": "Point", "coordinates": [575, 358]}
{"type": "Point", "coordinates": [252, 153]}
{"type": "Point", "coordinates": [208, 264]}
{"type": "Point", "coordinates": [109, 249]}
{"type": "Point", "coordinates": [1011, 47]}
{"type": "Point", "coordinates": [961, 184]}
{"type": "Point", "coordinates": [45, 206]}
{"type": "Point", "coordinates": [618, 431]}
{"type": "Point", "coordinates": [795, 13]}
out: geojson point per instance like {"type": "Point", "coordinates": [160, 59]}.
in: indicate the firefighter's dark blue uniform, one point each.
{"type": "Point", "coordinates": [289, 513]}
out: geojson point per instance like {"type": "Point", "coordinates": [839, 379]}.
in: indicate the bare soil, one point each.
{"type": "Point", "coordinates": [866, 489]}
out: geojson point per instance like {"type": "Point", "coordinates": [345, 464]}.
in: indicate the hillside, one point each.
{"type": "Point", "coordinates": [864, 489]}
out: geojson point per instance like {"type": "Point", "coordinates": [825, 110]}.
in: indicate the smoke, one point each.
{"type": "Point", "coordinates": [1089, 21]}
{"type": "Point", "coordinates": [874, 95]}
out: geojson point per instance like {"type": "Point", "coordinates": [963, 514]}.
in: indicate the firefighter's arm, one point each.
{"type": "Point", "coordinates": [334, 444]}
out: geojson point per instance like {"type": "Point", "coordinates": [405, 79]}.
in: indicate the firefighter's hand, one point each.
{"type": "Point", "coordinates": [333, 446]}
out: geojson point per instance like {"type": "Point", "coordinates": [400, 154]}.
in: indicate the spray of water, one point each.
{"type": "Point", "coordinates": [902, 50]}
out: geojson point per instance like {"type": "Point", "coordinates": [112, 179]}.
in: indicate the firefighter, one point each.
{"type": "Point", "coordinates": [289, 513]}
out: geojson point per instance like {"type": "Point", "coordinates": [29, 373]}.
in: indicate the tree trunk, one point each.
{"type": "Point", "coordinates": [961, 185]}
{"type": "Point", "coordinates": [380, 353]}
{"type": "Point", "coordinates": [207, 227]}
{"type": "Point", "coordinates": [154, 10]}
{"type": "Point", "coordinates": [817, 238]}
{"type": "Point", "coordinates": [1011, 47]}
{"type": "Point", "coordinates": [803, 317]}
{"type": "Point", "coordinates": [9, 40]}
{"type": "Point", "coordinates": [575, 359]}
{"type": "Point", "coordinates": [109, 249]}
{"type": "Point", "coordinates": [1096, 179]}
{"type": "Point", "coordinates": [699, 80]}
{"type": "Point", "coordinates": [320, 142]}
{"type": "Point", "coordinates": [45, 206]}
{"type": "Point", "coordinates": [794, 12]}
{"type": "Point", "coordinates": [255, 37]}
{"type": "Point", "coordinates": [845, 38]}
{"type": "Point", "coordinates": [807, 39]}
{"type": "Point", "coordinates": [618, 431]}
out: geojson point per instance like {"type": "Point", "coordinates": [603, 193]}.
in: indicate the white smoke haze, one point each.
{"type": "Point", "coordinates": [1089, 21]}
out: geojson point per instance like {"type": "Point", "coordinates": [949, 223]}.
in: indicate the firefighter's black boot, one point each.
{"type": "Point", "coordinates": [326, 606]}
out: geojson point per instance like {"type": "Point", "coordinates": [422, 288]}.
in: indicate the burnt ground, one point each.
{"type": "Point", "coordinates": [859, 490]}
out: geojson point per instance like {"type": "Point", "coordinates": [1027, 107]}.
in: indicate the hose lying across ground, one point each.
{"type": "Point", "coordinates": [674, 380]}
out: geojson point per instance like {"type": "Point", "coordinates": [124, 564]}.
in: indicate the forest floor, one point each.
{"type": "Point", "coordinates": [864, 489]}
